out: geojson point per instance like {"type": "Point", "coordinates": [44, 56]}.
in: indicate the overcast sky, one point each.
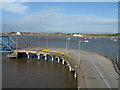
{"type": "Point", "coordinates": [68, 17]}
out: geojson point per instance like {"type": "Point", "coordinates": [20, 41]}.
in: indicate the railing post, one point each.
{"type": "Point", "coordinates": [70, 69]}
{"type": "Point", "coordinates": [63, 61]}
{"type": "Point", "coordinates": [75, 74]}
{"type": "Point", "coordinates": [52, 58]}
{"type": "Point", "coordinates": [67, 63]}
{"type": "Point", "coordinates": [58, 59]}
{"type": "Point", "coordinates": [46, 57]}
{"type": "Point", "coordinates": [38, 57]}
{"type": "Point", "coordinates": [28, 55]}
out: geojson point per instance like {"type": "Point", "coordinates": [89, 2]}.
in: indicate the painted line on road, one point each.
{"type": "Point", "coordinates": [101, 75]}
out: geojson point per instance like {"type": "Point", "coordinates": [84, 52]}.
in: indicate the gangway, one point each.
{"type": "Point", "coordinates": [7, 44]}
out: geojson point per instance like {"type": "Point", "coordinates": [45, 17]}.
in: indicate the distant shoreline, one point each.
{"type": "Point", "coordinates": [67, 36]}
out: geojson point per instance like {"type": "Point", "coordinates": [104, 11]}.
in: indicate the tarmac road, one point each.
{"type": "Point", "coordinates": [98, 71]}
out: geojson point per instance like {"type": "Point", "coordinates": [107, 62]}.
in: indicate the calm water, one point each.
{"type": "Point", "coordinates": [31, 73]}
{"type": "Point", "coordinates": [24, 73]}
{"type": "Point", "coordinates": [105, 46]}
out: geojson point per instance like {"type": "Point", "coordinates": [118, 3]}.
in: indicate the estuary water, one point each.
{"type": "Point", "coordinates": [31, 73]}
{"type": "Point", "coordinates": [104, 46]}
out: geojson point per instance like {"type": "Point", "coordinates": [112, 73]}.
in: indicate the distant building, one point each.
{"type": "Point", "coordinates": [18, 33]}
{"type": "Point", "coordinates": [11, 33]}
{"type": "Point", "coordinates": [78, 35]}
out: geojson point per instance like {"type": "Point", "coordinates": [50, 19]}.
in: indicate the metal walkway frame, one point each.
{"type": "Point", "coordinates": [6, 44]}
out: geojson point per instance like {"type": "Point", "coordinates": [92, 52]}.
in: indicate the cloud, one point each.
{"type": "Point", "coordinates": [69, 0]}
{"type": "Point", "coordinates": [14, 7]}
{"type": "Point", "coordinates": [53, 21]}
{"type": "Point", "coordinates": [8, 0]}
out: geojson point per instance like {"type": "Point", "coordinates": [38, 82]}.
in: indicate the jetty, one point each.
{"type": "Point", "coordinates": [46, 53]}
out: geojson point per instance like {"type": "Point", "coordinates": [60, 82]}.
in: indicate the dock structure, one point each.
{"type": "Point", "coordinates": [91, 70]}
{"type": "Point", "coordinates": [60, 56]}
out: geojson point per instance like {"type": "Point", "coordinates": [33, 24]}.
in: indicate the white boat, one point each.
{"type": "Point", "coordinates": [115, 40]}
{"type": "Point", "coordinates": [86, 41]}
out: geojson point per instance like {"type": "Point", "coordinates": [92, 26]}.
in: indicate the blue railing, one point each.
{"type": "Point", "coordinates": [6, 44]}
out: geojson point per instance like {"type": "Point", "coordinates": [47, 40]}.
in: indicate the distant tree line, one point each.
{"type": "Point", "coordinates": [117, 34]}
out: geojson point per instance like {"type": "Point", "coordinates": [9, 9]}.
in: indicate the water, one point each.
{"type": "Point", "coordinates": [24, 73]}
{"type": "Point", "coordinates": [104, 46]}
{"type": "Point", "coordinates": [31, 73]}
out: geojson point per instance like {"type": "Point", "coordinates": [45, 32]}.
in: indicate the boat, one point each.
{"type": "Point", "coordinates": [52, 37]}
{"type": "Point", "coordinates": [84, 38]}
{"type": "Point", "coordinates": [86, 41]}
{"type": "Point", "coordinates": [115, 40]}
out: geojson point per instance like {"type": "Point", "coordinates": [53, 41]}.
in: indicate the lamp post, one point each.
{"type": "Point", "coordinates": [38, 41]}
{"type": "Point", "coordinates": [79, 61]}
{"type": "Point", "coordinates": [118, 54]}
{"type": "Point", "coordinates": [47, 42]}
{"type": "Point", "coordinates": [16, 42]}
{"type": "Point", "coordinates": [67, 44]}
{"type": "Point", "coordinates": [38, 44]}
{"type": "Point", "coordinates": [98, 46]}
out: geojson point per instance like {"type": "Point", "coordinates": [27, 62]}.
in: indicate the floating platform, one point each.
{"type": "Point", "coordinates": [12, 55]}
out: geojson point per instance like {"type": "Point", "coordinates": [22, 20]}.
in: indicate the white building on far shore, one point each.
{"type": "Point", "coordinates": [78, 35]}
{"type": "Point", "coordinates": [18, 33]}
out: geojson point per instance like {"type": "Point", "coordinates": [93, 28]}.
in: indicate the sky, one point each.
{"type": "Point", "coordinates": [66, 17]}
